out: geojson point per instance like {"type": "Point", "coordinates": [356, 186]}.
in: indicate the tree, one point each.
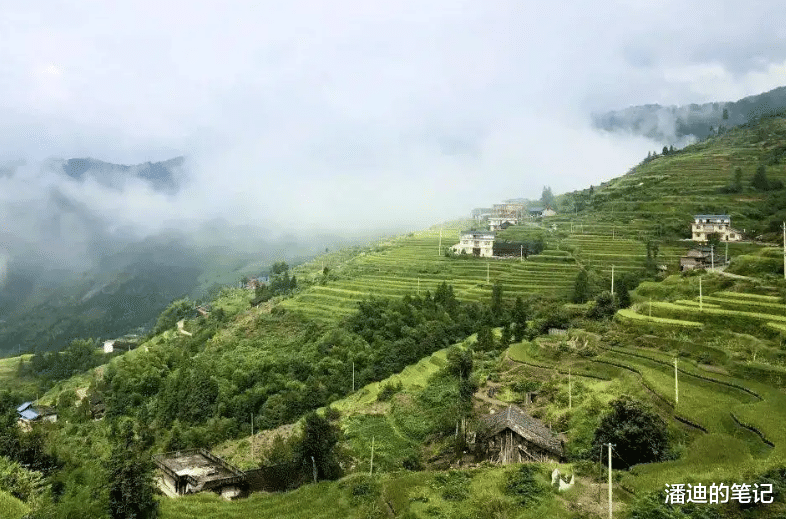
{"type": "Point", "coordinates": [459, 362]}
{"type": "Point", "coordinates": [736, 183]}
{"type": "Point", "coordinates": [130, 477]}
{"type": "Point", "coordinates": [519, 319]}
{"type": "Point", "coordinates": [605, 306]}
{"type": "Point", "coordinates": [547, 197]}
{"type": "Point", "coordinates": [496, 300]}
{"type": "Point", "coordinates": [581, 287]}
{"type": "Point", "coordinates": [665, 150]}
{"type": "Point", "coordinates": [318, 444]}
{"type": "Point", "coordinates": [725, 114]}
{"type": "Point", "coordinates": [759, 180]}
{"type": "Point", "coordinates": [638, 433]}
{"type": "Point", "coordinates": [485, 340]}
{"type": "Point", "coordinates": [507, 335]}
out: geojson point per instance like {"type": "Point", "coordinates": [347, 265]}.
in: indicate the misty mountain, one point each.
{"type": "Point", "coordinates": [85, 250]}
{"type": "Point", "coordinates": [162, 176]}
{"type": "Point", "coordinates": [682, 124]}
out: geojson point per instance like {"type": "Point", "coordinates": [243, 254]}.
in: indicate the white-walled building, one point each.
{"type": "Point", "coordinates": [496, 223]}
{"type": "Point", "coordinates": [705, 224]}
{"type": "Point", "coordinates": [476, 243]}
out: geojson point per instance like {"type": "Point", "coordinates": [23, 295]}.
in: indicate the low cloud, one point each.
{"type": "Point", "coordinates": [357, 117]}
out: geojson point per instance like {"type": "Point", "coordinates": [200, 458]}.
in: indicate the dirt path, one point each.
{"type": "Point", "coordinates": [180, 324]}
{"type": "Point", "coordinates": [482, 394]}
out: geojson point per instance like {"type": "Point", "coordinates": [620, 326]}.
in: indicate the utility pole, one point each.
{"type": "Point", "coordinates": [726, 258]}
{"type": "Point", "coordinates": [701, 301]}
{"type": "Point", "coordinates": [371, 469]}
{"type": "Point", "coordinates": [522, 253]}
{"type": "Point", "coordinates": [252, 436]}
{"type": "Point", "coordinates": [712, 257]}
{"type": "Point", "coordinates": [676, 384]}
{"type": "Point", "coordinates": [570, 393]}
{"type": "Point", "coordinates": [353, 376]}
{"type": "Point", "coordinates": [612, 281]}
{"type": "Point", "coordinates": [610, 446]}
{"type": "Point", "coordinates": [418, 286]}
{"type": "Point", "coordinates": [439, 249]}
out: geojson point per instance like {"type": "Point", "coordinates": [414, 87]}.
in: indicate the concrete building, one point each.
{"type": "Point", "coordinates": [705, 224]}
{"type": "Point", "coordinates": [500, 223]}
{"type": "Point", "coordinates": [476, 243]}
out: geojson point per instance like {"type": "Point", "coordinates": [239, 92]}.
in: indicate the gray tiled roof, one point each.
{"type": "Point", "coordinates": [525, 426]}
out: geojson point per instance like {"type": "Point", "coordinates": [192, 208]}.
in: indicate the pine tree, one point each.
{"type": "Point", "coordinates": [581, 287]}
{"type": "Point", "coordinates": [519, 320]}
{"type": "Point", "coordinates": [130, 478]}
{"type": "Point", "coordinates": [759, 180]}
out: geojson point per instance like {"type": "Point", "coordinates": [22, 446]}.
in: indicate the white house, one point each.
{"type": "Point", "coordinates": [477, 243]}
{"type": "Point", "coordinates": [496, 223]}
{"type": "Point", "coordinates": [705, 224]}
{"type": "Point", "coordinates": [109, 346]}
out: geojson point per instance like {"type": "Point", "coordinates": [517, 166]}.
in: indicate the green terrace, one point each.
{"type": "Point", "coordinates": [413, 265]}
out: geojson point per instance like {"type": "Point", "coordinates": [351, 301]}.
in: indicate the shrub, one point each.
{"type": "Point", "coordinates": [453, 485]}
{"type": "Point", "coordinates": [640, 435]}
{"type": "Point", "coordinates": [388, 390]}
{"type": "Point", "coordinates": [523, 484]}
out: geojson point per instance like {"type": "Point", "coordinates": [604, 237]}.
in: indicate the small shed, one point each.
{"type": "Point", "coordinates": [512, 436]}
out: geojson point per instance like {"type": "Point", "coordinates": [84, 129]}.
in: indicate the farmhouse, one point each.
{"type": "Point", "coordinates": [701, 258]}
{"type": "Point", "coordinates": [498, 224]}
{"type": "Point", "coordinates": [507, 210]}
{"type": "Point", "coordinates": [477, 243]}
{"type": "Point", "coordinates": [27, 414]}
{"type": "Point", "coordinates": [197, 470]}
{"type": "Point", "coordinates": [706, 224]}
{"type": "Point", "coordinates": [512, 436]}
{"type": "Point", "coordinates": [539, 212]}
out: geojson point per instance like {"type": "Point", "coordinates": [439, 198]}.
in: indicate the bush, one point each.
{"type": "Point", "coordinates": [523, 484]}
{"type": "Point", "coordinates": [388, 390]}
{"type": "Point", "coordinates": [453, 485]}
{"type": "Point", "coordinates": [640, 435]}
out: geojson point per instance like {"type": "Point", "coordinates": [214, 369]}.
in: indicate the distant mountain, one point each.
{"type": "Point", "coordinates": [162, 176]}
{"type": "Point", "coordinates": [683, 124]}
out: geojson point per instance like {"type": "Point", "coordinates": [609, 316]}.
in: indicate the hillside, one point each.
{"type": "Point", "coordinates": [673, 124]}
{"type": "Point", "coordinates": [658, 197]}
{"type": "Point", "coordinates": [397, 344]}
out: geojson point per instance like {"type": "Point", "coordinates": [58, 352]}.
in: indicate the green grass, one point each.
{"type": "Point", "coordinates": [9, 376]}
{"type": "Point", "coordinates": [11, 507]}
{"type": "Point", "coordinates": [627, 315]}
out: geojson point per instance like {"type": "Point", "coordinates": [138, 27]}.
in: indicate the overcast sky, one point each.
{"type": "Point", "coordinates": [361, 114]}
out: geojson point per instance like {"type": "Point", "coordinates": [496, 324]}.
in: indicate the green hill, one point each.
{"type": "Point", "coordinates": [370, 317]}
{"type": "Point", "coordinates": [659, 197]}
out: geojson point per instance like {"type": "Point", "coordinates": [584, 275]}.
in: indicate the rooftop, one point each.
{"type": "Point", "coordinates": [525, 426]}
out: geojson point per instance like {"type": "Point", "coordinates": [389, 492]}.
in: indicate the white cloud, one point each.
{"type": "Point", "coordinates": [360, 113]}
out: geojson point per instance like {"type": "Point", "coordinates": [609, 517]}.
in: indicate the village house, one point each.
{"type": "Point", "coordinates": [706, 224]}
{"type": "Point", "coordinates": [197, 470]}
{"type": "Point", "coordinates": [498, 224]}
{"type": "Point", "coordinates": [539, 212]}
{"type": "Point", "coordinates": [507, 210]}
{"type": "Point", "coordinates": [701, 258]}
{"type": "Point", "coordinates": [512, 436]}
{"type": "Point", "coordinates": [28, 414]}
{"type": "Point", "coordinates": [476, 243]}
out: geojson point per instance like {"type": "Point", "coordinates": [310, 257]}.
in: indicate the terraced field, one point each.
{"type": "Point", "coordinates": [412, 264]}
{"type": "Point", "coordinates": [758, 314]}
{"type": "Point", "coordinates": [660, 196]}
